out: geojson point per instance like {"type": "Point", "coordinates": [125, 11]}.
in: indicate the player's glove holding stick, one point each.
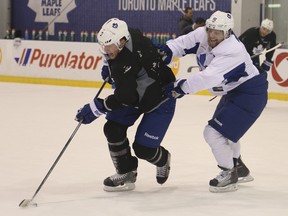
{"type": "Point", "coordinates": [173, 89]}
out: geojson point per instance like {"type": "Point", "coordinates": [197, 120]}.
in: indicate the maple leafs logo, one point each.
{"type": "Point", "coordinates": [52, 11]}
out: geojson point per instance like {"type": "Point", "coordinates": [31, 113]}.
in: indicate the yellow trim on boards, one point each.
{"type": "Point", "coordinates": [271, 95]}
{"type": "Point", "coordinates": [278, 96]}
{"type": "Point", "coordinates": [97, 84]}
{"type": "Point", "coordinates": [49, 81]}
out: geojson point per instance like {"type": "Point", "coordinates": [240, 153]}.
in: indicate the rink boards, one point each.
{"type": "Point", "coordinates": [79, 64]}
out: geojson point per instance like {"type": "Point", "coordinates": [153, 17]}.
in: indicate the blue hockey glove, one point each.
{"type": "Point", "coordinates": [173, 90]}
{"type": "Point", "coordinates": [165, 52]}
{"type": "Point", "coordinates": [266, 65]}
{"type": "Point", "coordinates": [105, 73]}
{"type": "Point", "coordinates": [91, 111]}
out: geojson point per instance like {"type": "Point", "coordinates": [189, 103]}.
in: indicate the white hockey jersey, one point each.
{"type": "Point", "coordinates": [222, 68]}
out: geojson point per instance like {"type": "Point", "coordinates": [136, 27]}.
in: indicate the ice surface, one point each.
{"type": "Point", "coordinates": [37, 120]}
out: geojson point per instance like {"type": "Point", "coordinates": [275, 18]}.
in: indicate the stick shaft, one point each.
{"type": "Point", "coordinates": [64, 148]}
{"type": "Point", "coordinates": [263, 52]}
{"type": "Point", "coordinates": [267, 51]}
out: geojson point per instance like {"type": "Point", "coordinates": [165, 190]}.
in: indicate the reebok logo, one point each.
{"type": "Point", "coordinates": [151, 136]}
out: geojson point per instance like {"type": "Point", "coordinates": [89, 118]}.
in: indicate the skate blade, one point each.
{"type": "Point", "coordinates": [120, 188]}
{"type": "Point", "coordinates": [245, 179]}
{"type": "Point", "coordinates": [27, 203]}
{"type": "Point", "coordinates": [228, 188]}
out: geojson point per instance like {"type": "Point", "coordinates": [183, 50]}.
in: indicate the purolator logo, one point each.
{"type": "Point", "coordinates": [280, 59]}
{"type": "Point", "coordinates": [36, 57]}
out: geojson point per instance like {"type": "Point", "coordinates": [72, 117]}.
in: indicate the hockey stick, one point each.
{"type": "Point", "coordinates": [189, 70]}
{"type": "Point", "coordinates": [26, 202]}
{"type": "Point", "coordinates": [261, 53]}
{"type": "Point", "coordinates": [269, 50]}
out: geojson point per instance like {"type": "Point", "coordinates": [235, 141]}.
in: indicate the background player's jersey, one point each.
{"type": "Point", "coordinates": [222, 68]}
{"type": "Point", "coordinates": [255, 44]}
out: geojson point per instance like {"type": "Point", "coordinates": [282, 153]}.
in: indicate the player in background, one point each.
{"type": "Point", "coordinates": [198, 23]}
{"type": "Point", "coordinates": [256, 39]}
{"type": "Point", "coordinates": [185, 20]}
{"type": "Point", "coordinates": [139, 74]}
{"type": "Point", "coordinates": [225, 69]}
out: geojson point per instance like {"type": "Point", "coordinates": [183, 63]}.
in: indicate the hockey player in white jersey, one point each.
{"type": "Point", "coordinates": [225, 69]}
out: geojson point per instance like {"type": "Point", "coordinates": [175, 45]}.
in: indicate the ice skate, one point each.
{"type": "Point", "coordinates": [163, 172]}
{"type": "Point", "coordinates": [120, 182]}
{"type": "Point", "coordinates": [226, 181]}
{"type": "Point", "coordinates": [242, 171]}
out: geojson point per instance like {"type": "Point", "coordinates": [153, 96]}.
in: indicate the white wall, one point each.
{"type": "Point", "coordinates": [5, 16]}
{"type": "Point", "coordinates": [279, 16]}
{"type": "Point", "coordinates": [246, 14]}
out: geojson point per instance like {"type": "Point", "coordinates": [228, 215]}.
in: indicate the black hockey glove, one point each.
{"type": "Point", "coordinates": [266, 65]}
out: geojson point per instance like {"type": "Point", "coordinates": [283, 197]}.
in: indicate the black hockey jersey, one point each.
{"type": "Point", "coordinates": [139, 75]}
{"type": "Point", "coordinates": [255, 44]}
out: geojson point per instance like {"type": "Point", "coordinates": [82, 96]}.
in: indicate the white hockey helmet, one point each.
{"type": "Point", "coordinates": [267, 24]}
{"type": "Point", "coordinates": [112, 32]}
{"type": "Point", "coordinates": [221, 21]}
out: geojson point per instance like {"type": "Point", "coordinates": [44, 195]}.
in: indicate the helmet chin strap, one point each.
{"type": "Point", "coordinates": [228, 34]}
{"type": "Point", "coordinates": [120, 45]}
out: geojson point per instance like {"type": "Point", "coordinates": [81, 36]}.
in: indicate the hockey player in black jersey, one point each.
{"type": "Point", "coordinates": [256, 39]}
{"type": "Point", "coordinates": [139, 75]}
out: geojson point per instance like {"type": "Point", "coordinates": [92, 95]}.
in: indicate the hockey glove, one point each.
{"type": "Point", "coordinates": [165, 52]}
{"type": "Point", "coordinates": [91, 111]}
{"type": "Point", "coordinates": [173, 90]}
{"type": "Point", "coordinates": [105, 73]}
{"type": "Point", "coordinates": [266, 65]}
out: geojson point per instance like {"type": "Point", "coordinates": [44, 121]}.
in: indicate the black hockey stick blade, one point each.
{"type": "Point", "coordinates": [27, 203]}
